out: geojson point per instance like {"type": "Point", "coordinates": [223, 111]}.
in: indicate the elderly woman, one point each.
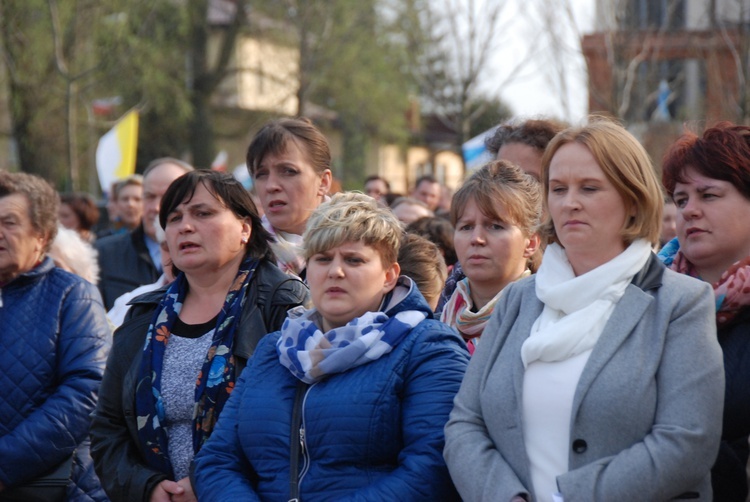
{"type": "Point", "coordinates": [290, 162]}
{"type": "Point", "coordinates": [495, 214]}
{"type": "Point", "coordinates": [54, 340]}
{"type": "Point", "coordinates": [599, 377]}
{"type": "Point", "coordinates": [709, 179]}
{"type": "Point", "coordinates": [351, 396]}
{"type": "Point", "coordinates": [177, 355]}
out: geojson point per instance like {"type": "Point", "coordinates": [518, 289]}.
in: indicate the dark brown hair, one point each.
{"type": "Point", "coordinates": [275, 136]}
{"type": "Point", "coordinates": [536, 133]}
{"type": "Point", "coordinates": [84, 207]}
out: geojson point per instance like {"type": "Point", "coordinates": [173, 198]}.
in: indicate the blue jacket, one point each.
{"type": "Point", "coordinates": [374, 432]}
{"type": "Point", "coordinates": [54, 340]}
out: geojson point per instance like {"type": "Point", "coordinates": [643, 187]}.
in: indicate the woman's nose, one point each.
{"type": "Point", "coordinates": [186, 225]}
{"type": "Point", "coordinates": [335, 270]}
{"type": "Point", "coordinates": [477, 236]}
{"type": "Point", "coordinates": [571, 200]}
{"type": "Point", "coordinates": [272, 182]}
{"type": "Point", "coordinates": [690, 209]}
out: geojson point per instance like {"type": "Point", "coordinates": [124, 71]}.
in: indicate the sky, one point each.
{"type": "Point", "coordinates": [534, 90]}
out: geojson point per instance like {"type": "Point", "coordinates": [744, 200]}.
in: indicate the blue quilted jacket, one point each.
{"type": "Point", "coordinates": [374, 432]}
{"type": "Point", "coordinates": [54, 339]}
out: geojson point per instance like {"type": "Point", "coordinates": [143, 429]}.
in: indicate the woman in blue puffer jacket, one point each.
{"type": "Point", "coordinates": [357, 389]}
{"type": "Point", "coordinates": [54, 340]}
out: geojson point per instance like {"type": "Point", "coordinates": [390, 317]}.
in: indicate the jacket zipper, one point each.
{"type": "Point", "coordinates": [303, 441]}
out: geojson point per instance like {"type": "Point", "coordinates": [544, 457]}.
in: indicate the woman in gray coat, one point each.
{"type": "Point", "coordinates": [599, 378]}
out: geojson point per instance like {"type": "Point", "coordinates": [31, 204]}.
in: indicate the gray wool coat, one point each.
{"type": "Point", "coordinates": [647, 411]}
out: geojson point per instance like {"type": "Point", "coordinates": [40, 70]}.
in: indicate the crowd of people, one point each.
{"type": "Point", "coordinates": [517, 340]}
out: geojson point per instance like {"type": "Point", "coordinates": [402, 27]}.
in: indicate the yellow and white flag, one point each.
{"type": "Point", "coordinates": [115, 154]}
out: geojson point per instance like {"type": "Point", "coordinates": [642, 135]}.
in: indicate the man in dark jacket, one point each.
{"type": "Point", "coordinates": [133, 259]}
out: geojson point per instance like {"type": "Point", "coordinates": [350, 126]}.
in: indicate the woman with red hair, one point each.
{"type": "Point", "coordinates": [708, 177]}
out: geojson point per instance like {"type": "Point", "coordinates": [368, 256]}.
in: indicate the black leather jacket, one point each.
{"type": "Point", "coordinates": [115, 447]}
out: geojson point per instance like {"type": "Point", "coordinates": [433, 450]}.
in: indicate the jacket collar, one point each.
{"type": "Point", "coordinates": [649, 277]}
{"type": "Point", "coordinates": [44, 267]}
{"type": "Point", "coordinates": [405, 296]}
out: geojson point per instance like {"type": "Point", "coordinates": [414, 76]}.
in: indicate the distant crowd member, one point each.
{"type": "Point", "coordinates": [178, 354]}
{"type": "Point", "coordinates": [125, 208]}
{"type": "Point", "coordinates": [708, 177]}
{"type": "Point", "coordinates": [523, 142]}
{"type": "Point", "coordinates": [129, 260]}
{"type": "Point", "coordinates": [70, 252]}
{"type": "Point", "coordinates": [54, 340]}
{"type": "Point", "coordinates": [408, 210]}
{"type": "Point", "coordinates": [290, 162]}
{"type": "Point", "coordinates": [422, 261]}
{"type": "Point", "coordinates": [439, 231]}
{"type": "Point", "coordinates": [377, 188]}
{"type": "Point", "coordinates": [428, 190]}
{"type": "Point", "coordinates": [496, 213]}
{"type": "Point", "coordinates": [356, 389]}
{"type": "Point", "coordinates": [78, 212]}
{"type": "Point", "coordinates": [599, 378]}
{"type": "Point", "coordinates": [130, 204]}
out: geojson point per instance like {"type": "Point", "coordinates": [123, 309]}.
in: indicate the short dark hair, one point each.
{"type": "Point", "coordinates": [229, 191]}
{"type": "Point", "coordinates": [84, 207]}
{"type": "Point", "coordinates": [536, 133]}
{"type": "Point", "coordinates": [43, 201]}
{"type": "Point", "coordinates": [274, 137]}
{"type": "Point", "coordinates": [428, 178]}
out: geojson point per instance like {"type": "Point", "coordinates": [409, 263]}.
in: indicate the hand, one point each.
{"type": "Point", "coordinates": [187, 495]}
{"type": "Point", "coordinates": [164, 491]}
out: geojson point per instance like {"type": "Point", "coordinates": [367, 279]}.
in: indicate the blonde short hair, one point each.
{"type": "Point", "coordinates": [626, 165]}
{"type": "Point", "coordinates": [353, 217]}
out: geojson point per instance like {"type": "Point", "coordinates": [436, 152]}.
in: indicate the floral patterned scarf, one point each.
{"type": "Point", "coordinates": [214, 383]}
{"type": "Point", "coordinates": [732, 290]}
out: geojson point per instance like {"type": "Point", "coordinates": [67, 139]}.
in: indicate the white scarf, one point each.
{"type": "Point", "coordinates": [577, 308]}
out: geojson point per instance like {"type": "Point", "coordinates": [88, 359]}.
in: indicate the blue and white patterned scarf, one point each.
{"type": "Point", "coordinates": [311, 355]}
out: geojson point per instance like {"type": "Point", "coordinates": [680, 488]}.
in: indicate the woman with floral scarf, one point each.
{"type": "Point", "coordinates": [178, 353]}
{"type": "Point", "coordinates": [348, 401]}
{"type": "Point", "coordinates": [495, 214]}
{"type": "Point", "coordinates": [708, 177]}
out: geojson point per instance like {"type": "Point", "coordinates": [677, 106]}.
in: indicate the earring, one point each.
{"type": "Point", "coordinates": [244, 240]}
